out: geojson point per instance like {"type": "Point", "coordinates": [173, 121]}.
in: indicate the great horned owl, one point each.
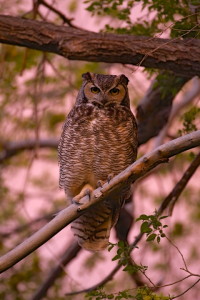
{"type": "Point", "coordinates": [99, 138]}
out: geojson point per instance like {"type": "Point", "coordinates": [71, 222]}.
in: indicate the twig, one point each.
{"type": "Point", "coordinates": [181, 254]}
{"type": "Point", "coordinates": [183, 259]}
{"type": "Point", "coordinates": [57, 12]}
{"type": "Point", "coordinates": [175, 282]}
{"type": "Point", "coordinates": [177, 296]}
{"type": "Point", "coordinates": [130, 174]}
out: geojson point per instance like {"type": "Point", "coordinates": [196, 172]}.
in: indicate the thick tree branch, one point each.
{"type": "Point", "coordinates": [130, 174]}
{"type": "Point", "coordinates": [180, 56]}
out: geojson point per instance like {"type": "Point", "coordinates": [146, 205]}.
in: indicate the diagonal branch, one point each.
{"type": "Point", "coordinates": [175, 193]}
{"type": "Point", "coordinates": [130, 174]}
{"type": "Point", "coordinates": [180, 56]}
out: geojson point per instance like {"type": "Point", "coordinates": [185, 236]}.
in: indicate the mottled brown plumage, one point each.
{"type": "Point", "coordinates": [99, 138]}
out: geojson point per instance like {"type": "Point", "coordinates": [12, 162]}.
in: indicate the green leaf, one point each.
{"type": "Point", "coordinates": [158, 239]}
{"type": "Point", "coordinates": [116, 257]}
{"type": "Point", "coordinates": [142, 217]}
{"type": "Point", "coordinates": [145, 228]}
{"type": "Point", "coordinates": [121, 244]}
{"type": "Point", "coordinates": [151, 237]}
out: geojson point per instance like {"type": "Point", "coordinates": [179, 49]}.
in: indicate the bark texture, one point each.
{"type": "Point", "coordinates": [180, 56]}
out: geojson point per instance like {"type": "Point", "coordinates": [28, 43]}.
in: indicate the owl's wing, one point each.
{"type": "Point", "coordinates": [134, 133]}
{"type": "Point", "coordinates": [63, 146]}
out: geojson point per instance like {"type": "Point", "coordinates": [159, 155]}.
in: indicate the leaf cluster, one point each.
{"type": "Point", "coordinates": [157, 14]}
{"type": "Point", "coordinates": [141, 293]}
{"type": "Point", "coordinates": [99, 294]}
{"type": "Point", "coordinates": [123, 257]}
{"type": "Point", "coordinates": [152, 227]}
{"type": "Point", "coordinates": [189, 118]}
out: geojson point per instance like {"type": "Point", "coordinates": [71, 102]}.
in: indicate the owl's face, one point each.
{"type": "Point", "coordinates": [104, 90]}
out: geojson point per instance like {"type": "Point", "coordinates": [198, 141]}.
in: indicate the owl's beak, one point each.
{"type": "Point", "coordinates": [104, 100]}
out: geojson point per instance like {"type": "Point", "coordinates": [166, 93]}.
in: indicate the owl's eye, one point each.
{"type": "Point", "coordinates": [95, 90]}
{"type": "Point", "coordinates": [114, 91]}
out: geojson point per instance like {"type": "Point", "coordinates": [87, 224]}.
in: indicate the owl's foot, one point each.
{"type": "Point", "coordinates": [85, 193]}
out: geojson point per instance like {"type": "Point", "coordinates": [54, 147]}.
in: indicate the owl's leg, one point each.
{"type": "Point", "coordinates": [86, 191]}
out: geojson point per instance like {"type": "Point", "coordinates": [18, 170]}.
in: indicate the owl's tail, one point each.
{"type": "Point", "coordinates": [93, 228]}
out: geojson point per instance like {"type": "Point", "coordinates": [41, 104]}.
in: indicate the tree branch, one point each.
{"type": "Point", "coordinates": [180, 56]}
{"type": "Point", "coordinates": [12, 148]}
{"type": "Point", "coordinates": [130, 174]}
{"type": "Point", "coordinates": [175, 193]}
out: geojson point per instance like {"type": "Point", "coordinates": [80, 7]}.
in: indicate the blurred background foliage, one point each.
{"type": "Point", "coordinates": [37, 90]}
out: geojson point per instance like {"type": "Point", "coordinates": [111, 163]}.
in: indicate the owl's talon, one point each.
{"type": "Point", "coordinates": [110, 176]}
{"type": "Point", "coordinates": [76, 202]}
{"type": "Point", "coordinates": [100, 183]}
{"type": "Point", "coordinates": [88, 193]}
{"type": "Point", "coordinates": [76, 199]}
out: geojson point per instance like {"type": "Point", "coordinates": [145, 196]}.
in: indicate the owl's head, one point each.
{"type": "Point", "coordinates": [104, 90]}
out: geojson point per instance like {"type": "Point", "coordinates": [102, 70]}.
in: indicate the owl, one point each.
{"type": "Point", "coordinates": [99, 140]}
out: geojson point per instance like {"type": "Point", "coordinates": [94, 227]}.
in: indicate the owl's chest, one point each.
{"type": "Point", "coordinates": [105, 132]}
{"type": "Point", "coordinates": [98, 143]}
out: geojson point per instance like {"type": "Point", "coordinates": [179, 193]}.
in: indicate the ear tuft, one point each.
{"type": "Point", "coordinates": [123, 79]}
{"type": "Point", "coordinates": [87, 76]}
